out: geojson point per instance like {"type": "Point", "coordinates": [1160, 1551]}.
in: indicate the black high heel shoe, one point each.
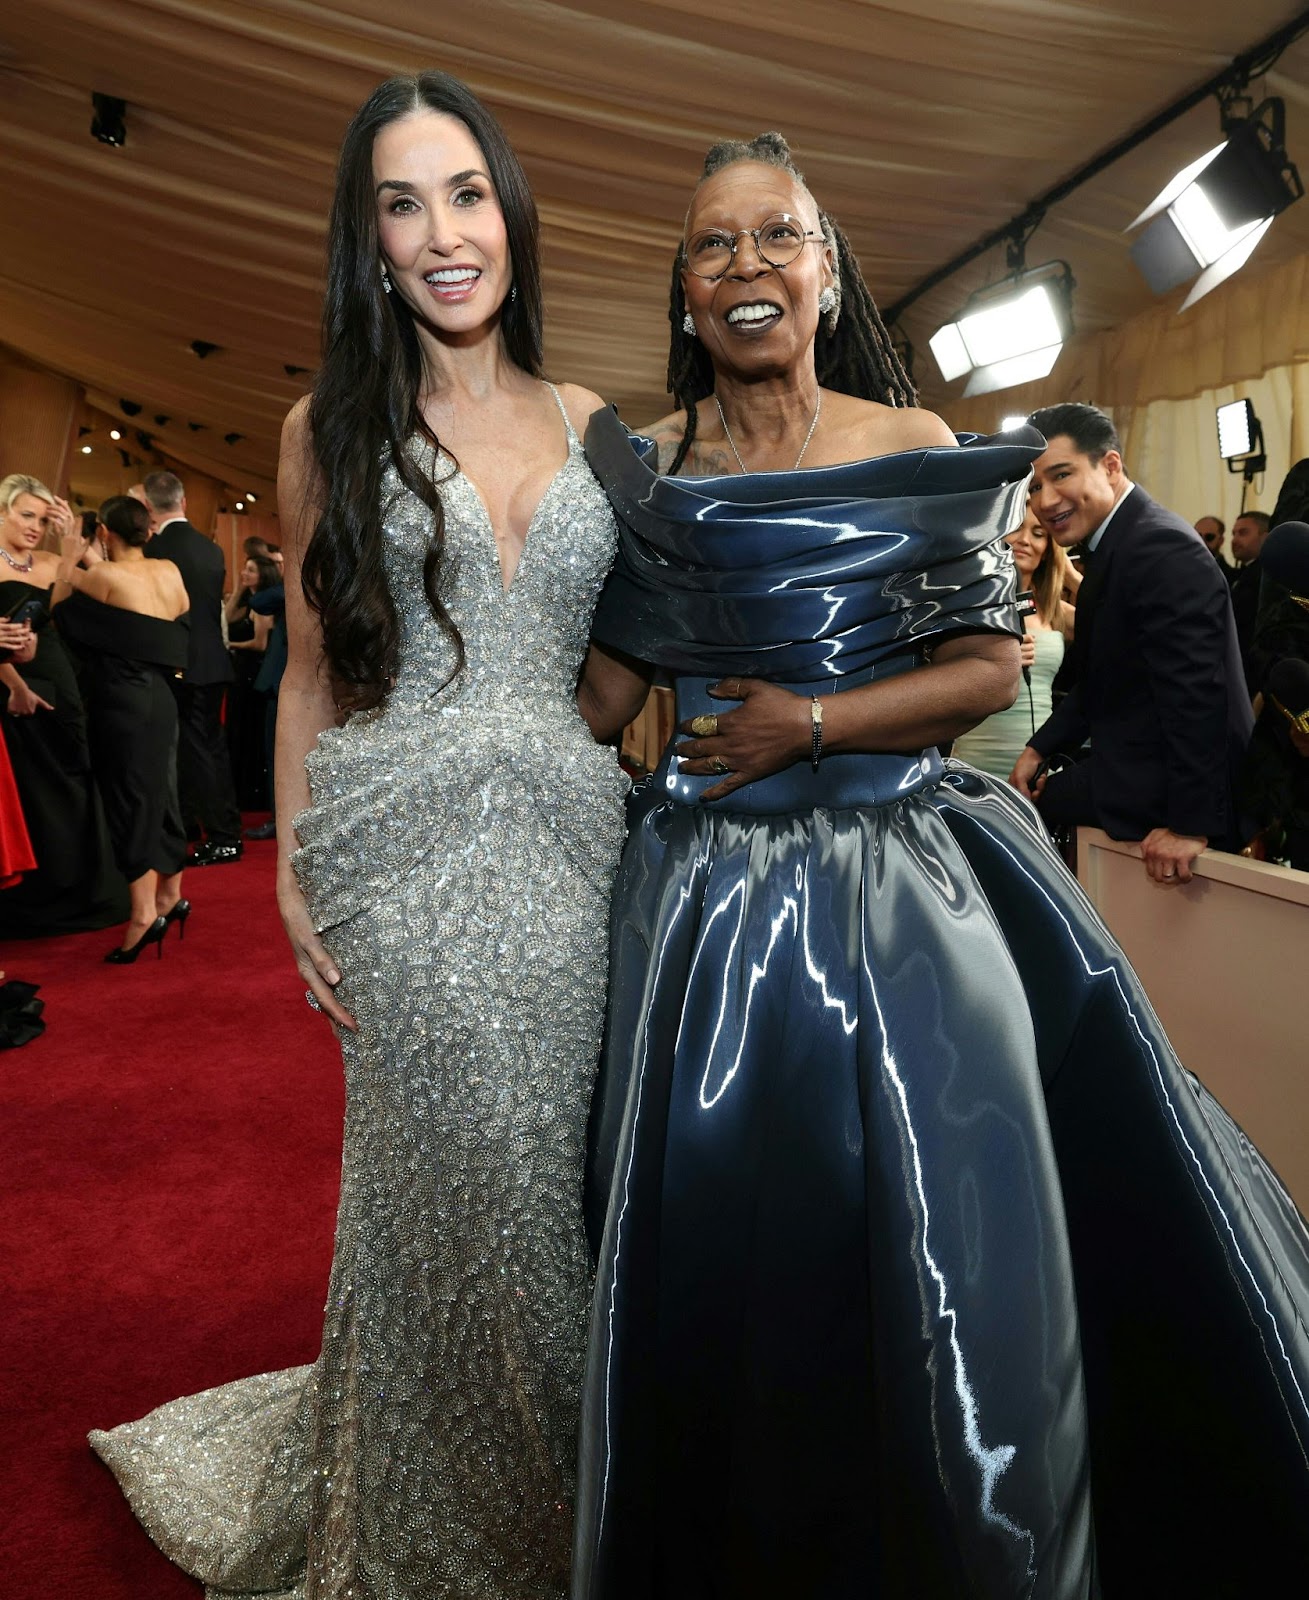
{"type": "Point", "coordinates": [178, 912]}
{"type": "Point", "coordinates": [154, 934]}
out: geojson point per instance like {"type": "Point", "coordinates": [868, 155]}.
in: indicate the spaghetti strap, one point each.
{"type": "Point", "coordinates": [573, 440]}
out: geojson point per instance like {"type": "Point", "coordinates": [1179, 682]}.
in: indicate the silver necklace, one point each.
{"type": "Point", "coordinates": [817, 412]}
{"type": "Point", "coordinates": [31, 560]}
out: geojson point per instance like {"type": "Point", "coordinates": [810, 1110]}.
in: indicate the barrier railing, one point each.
{"type": "Point", "coordinates": [1225, 962]}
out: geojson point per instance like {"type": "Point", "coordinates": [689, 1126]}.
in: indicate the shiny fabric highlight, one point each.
{"type": "Point", "coordinates": [458, 855]}
{"type": "Point", "coordinates": [924, 1268]}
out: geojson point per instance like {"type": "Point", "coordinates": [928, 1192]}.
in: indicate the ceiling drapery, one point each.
{"type": "Point", "coordinates": [920, 124]}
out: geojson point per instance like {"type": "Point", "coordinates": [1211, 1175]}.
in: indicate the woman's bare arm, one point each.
{"type": "Point", "coordinates": [612, 689]}
{"type": "Point", "coordinates": [69, 575]}
{"type": "Point", "coordinates": [970, 677]}
{"type": "Point", "coordinates": [305, 706]}
{"type": "Point", "coordinates": [263, 627]}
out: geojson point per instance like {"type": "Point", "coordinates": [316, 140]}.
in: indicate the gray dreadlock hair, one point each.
{"type": "Point", "coordinates": [853, 352]}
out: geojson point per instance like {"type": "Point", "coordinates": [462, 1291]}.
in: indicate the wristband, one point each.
{"type": "Point", "coordinates": [816, 720]}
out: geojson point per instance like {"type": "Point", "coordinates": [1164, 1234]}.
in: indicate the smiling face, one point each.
{"type": "Point", "coordinates": [439, 224]}
{"type": "Point", "coordinates": [249, 576]}
{"type": "Point", "coordinates": [1029, 542]}
{"type": "Point", "coordinates": [756, 320]}
{"type": "Point", "coordinates": [1070, 493]}
{"type": "Point", "coordinates": [24, 526]}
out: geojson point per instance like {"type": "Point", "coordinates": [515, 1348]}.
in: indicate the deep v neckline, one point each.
{"type": "Point", "coordinates": [479, 499]}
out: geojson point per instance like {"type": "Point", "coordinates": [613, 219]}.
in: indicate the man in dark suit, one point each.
{"type": "Point", "coordinates": [204, 768]}
{"type": "Point", "coordinates": [1158, 687]}
{"type": "Point", "coordinates": [1248, 534]}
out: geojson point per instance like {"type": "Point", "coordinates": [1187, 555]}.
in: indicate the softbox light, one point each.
{"type": "Point", "coordinates": [1010, 332]}
{"type": "Point", "coordinates": [1213, 214]}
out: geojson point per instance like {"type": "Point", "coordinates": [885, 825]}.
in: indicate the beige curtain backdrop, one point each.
{"type": "Point", "coordinates": [1162, 376]}
{"type": "Point", "coordinates": [1171, 446]}
{"type": "Point", "coordinates": [919, 126]}
{"type": "Point", "coordinates": [1256, 321]}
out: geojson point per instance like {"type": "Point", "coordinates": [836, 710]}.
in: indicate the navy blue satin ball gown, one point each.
{"type": "Point", "coordinates": [924, 1268]}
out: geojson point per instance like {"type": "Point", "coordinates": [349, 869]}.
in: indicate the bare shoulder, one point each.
{"type": "Point", "coordinates": [297, 474]}
{"type": "Point", "coordinates": [295, 428]}
{"type": "Point", "coordinates": [100, 580]}
{"type": "Point", "coordinates": [920, 430]}
{"type": "Point", "coordinates": [580, 404]}
{"type": "Point", "coordinates": [667, 435]}
{"type": "Point", "coordinates": [894, 428]}
{"type": "Point", "coordinates": [863, 429]}
{"type": "Point", "coordinates": [296, 457]}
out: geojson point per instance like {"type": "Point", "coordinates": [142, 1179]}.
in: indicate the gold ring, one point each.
{"type": "Point", "coordinates": [704, 727]}
{"type": "Point", "coordinates": [718, 765]}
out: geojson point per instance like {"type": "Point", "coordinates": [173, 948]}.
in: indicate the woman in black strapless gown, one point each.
{"type": "Point", "coordinates": [121, 618]}
{"type": "Point", "coordinates": [925, 1271]}
{"type": "Point", "coordinates": [75, 885]}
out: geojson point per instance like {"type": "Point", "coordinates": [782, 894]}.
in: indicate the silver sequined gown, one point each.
{"type": "Point", "coordinates": [457, 857]}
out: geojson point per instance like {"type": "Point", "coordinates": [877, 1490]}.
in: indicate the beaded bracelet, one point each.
{"type": "Point", "coordinates": [816, 720]}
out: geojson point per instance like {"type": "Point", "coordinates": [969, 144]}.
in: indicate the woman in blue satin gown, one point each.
{"type": "Point", "coordinates": [924, 1268]}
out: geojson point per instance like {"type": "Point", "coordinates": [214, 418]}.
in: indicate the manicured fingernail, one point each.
{"type": "Point", "coordinates": [333, 976]}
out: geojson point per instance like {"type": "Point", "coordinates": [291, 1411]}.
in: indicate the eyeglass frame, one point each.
{"type": "Point", "coordinates": [807, 236]}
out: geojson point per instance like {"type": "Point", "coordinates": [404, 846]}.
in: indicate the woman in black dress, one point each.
{"type": "Point", "coordinates": [75, 885]}
{"type": "Point", "coordinates": [121, 617]}
{"type": "Point", "coordinates": [247, 639]}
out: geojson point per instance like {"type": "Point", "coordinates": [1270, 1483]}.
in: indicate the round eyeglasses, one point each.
{"type": "Point", "coordinates": [777, 240]}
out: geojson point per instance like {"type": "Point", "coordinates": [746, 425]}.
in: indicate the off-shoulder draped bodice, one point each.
{"type": "Point", "coordinates": [819, 573]}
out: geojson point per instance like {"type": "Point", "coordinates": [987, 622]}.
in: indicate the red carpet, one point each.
{"type": "Point", "coordinates": [171, 1157]}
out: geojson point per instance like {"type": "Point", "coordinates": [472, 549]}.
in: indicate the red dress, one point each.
{"type": "Point", "coordinates": [16, 855]}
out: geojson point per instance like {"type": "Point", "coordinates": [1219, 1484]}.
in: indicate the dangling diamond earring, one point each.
{"type": "Point", "coordinates": [513, 293]}
{"type": "Point", "coordinates": [827, 300]}
{"type": "Point", "coordinates": [688, 324]}
{"type": "Point", "coordinates": [386, 280]}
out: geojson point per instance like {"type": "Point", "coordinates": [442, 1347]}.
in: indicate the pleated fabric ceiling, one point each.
{"type": "Point", "coordinates": [920, 126]}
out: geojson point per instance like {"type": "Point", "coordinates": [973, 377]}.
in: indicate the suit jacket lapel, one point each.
{"type": "Point", "coordinates": [1088, 596]}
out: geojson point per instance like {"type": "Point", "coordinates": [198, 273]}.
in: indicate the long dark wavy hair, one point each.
{"type": "Point", "coordinates": [853, 352]}
{"type": "Point", "coordinates": [365, 404]}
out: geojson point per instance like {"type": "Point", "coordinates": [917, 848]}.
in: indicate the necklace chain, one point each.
{"type": "Point", "coordinates": [817, 412]}
{"type": "Point", "coordinates": [31, 560]}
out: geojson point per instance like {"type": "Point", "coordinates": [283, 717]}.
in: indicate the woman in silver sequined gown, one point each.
{"type": "Point", "coordinates": [448, 908]}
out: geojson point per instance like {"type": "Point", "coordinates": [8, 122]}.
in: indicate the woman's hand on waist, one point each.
{"type": "Point", "coordinates": [316, 967]}
{"type": "Point", "coordinates": [769, 730]}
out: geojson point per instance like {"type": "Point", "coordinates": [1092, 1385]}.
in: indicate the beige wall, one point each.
{"type": "Point", "coordinates": [1223, 960]}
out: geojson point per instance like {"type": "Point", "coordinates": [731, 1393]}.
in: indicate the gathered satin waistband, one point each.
{"type": "Point", "coordinates": [843, 780]}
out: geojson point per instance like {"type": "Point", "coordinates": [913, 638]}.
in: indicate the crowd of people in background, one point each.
{"type": "Point", "coordinates": [143, 722]}
{"type": "Point", "coordinates": [139, 701]}
{"type": "Point", "coordinates": [1146, 707]}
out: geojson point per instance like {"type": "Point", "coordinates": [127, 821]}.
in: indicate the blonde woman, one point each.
{"type": "Point", "coordinates": [994, 745]}
{"type": "Point", "coordinates": [75, 885]}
